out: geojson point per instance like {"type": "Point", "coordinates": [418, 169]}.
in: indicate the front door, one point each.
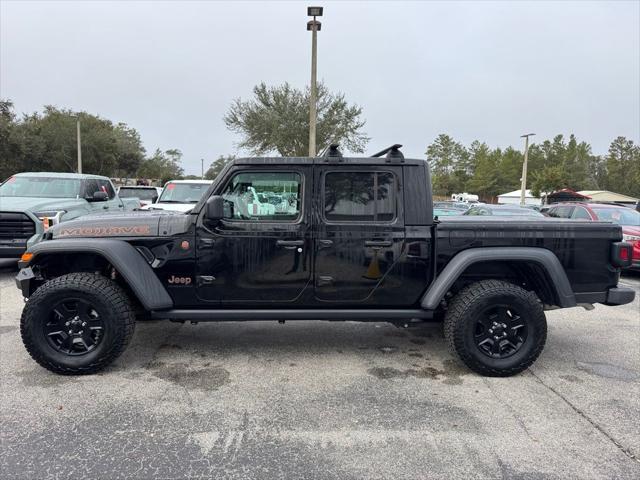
{"type": "Point", "coordinates": [359, 235]}
{"type": "Point", "coordinates": [260, 253]}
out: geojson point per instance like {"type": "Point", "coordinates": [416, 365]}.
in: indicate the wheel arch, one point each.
{"type": "Point", "coordinates": [137, 275]}
{"type": "Point", "coordinates": [541, 267]}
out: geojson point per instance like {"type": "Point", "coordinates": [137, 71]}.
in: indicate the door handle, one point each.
{"type": "Point", "coordinates": [105, 207]}
{"type": "Point", "coordinates": [325, 243]}
{"type": "Point", "coordinates": [289, 244]}
{"type": "Point", "coordinates": [377, 243]}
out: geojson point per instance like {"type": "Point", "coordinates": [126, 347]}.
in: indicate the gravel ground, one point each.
{"type": "Point", "coordinates": [325, 400]}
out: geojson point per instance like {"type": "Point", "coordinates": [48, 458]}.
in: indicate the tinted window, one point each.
{"type": "Point", "coordinates": [359, 197]}
{"type": "Point", "coordinates": [141, 193]}
{"type": "Point", "coordinates": [581, 213]}
{"type": "Point", "coordinates": [561, 212]}
{"type": "Point", "coordinates": [254, 196]}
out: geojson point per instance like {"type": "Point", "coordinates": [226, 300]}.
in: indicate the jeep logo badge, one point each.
{"type": "Point", "coordinates": [173, 280]}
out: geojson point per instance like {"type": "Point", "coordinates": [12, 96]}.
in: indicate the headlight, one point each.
{"type": "Point", "coordinates": [630, 238]}
{"type": "Point", "coordinates": [50, 217]}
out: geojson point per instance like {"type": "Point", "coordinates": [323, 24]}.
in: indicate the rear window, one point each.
{"type": "Point", "coordinates": [141, 193]}
{"type": "Point", "coordinates": [359, 197]}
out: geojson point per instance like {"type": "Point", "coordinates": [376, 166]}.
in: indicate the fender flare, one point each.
{"type": "Point", "coordinates": [128, 262]}
{"type": "Point", "coordinates": [460, 262]}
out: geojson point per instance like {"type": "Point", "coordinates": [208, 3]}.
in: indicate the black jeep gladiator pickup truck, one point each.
{"type": "Point", "coordinates": [327, 238]}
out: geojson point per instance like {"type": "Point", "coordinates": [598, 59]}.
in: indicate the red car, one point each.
{"type": "Point", "coordinates": [627, 218]}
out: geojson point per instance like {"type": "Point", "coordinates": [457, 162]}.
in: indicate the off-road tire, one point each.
{"type": "Point", "coordinates": [460, 321]}
{"type": "Point", "coordinates": [116, 311]}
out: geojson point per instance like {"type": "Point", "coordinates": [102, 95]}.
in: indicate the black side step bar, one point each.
{"type": "Point", "coordinates": [373, 315]}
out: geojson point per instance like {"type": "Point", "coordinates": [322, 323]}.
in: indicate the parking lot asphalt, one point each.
{"type": "Point", "coordinates": [325, 400]}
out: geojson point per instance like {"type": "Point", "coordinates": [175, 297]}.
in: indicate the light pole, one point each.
{"type": "Point", "coordinates": [79, 143]}
{"type": "Point", "coordinates": [202, 167]}
{"type": "Point", "coordinates": [523, 187]}
{"type": "Point", "coordinates": [314, 26]}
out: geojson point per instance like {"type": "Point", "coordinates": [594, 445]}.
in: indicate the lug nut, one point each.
{"type": "Point", "coordinates": [491, 330]}
{"type": "Point", "coordinates": [84, 324]}
{"type": "Point", "coordinates": [68, 323]}
{"type": "Point", "coordinates": [70, 332]}
{"type": "Point", "coordinates": [497, 338]}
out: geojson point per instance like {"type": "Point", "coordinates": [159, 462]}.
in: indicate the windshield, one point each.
{"type": "Point", "coordinates": [141, 193]}
{"type": "Point", "coordinates": [183, 192]}
{"type": "Point", "coordinates": [621, 216]}
{"type": "Point", "coordinates": [44, 187]}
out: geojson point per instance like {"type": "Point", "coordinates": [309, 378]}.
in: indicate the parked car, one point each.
{"type": "Point", "coordinates": [146, 195]}
{"type": "Point", "coordinates": [33, 202]}
{"type": "Point", "coordinates": [502, 210]}
{"type": "Point", "coordinates": [627, 218]}
{"type": "Point", "coordinates": [342, 251]}
{"type": "Point", "coordinates": [446, 212]}
{"type": "Point", "coordinates": [180, 195]}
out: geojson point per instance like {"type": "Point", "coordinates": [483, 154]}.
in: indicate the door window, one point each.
{"type": "Point", "coordinates": [581, 213]}
{"type": "Point", "coordinates": [359, 197]}
{"type": "Point", "coordinates": [105, 186]}
{"type": "Point", "coordinates": [263, 196]}
{"type": "Point", "coordinates": [90, 187]}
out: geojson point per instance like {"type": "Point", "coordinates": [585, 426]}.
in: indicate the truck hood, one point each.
{"type": "Point", "coordinates": [35, 204]}
{"type": "Point", "coordinates": [134, 224]}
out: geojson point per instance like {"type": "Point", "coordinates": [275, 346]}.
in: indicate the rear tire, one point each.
{"type": "Point", "coordinates": [496, 328]}
{"type": "Point", "coordinates": [77, 323]}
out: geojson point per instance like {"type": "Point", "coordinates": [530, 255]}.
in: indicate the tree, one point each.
{"type": "Point", "coordinates": [47, 141]}
{"type": "Point", "coordinates": [164, 166]}
{"type": "Point", "coordinates": [10, 151]}
{"type": "Point", "coordinates": [277, 120]}
{"type": "Point", "coordinates": [623, 167]}
{"type": "Point", "coordinates": [450, 165]}
{"type": "Point", "coordinates": [217, 165]}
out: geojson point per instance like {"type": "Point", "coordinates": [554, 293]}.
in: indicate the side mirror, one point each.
{"type": "Point", "coordinates": [214, 208]}
{"type": "Point", "coordinates": [100, 196]}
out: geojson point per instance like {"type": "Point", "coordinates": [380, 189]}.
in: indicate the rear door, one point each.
{"type": "Point", "coordinates": [359, 235]}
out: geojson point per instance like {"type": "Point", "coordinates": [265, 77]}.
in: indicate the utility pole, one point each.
{"type": "Point", "coordinates": [79, 144]}
{"type": "Point", "coordinates": [523, 187]}
{"type": "Point", "coordinates": [314, 26]}
{"type": "Point", "coordinates": [202, 167]}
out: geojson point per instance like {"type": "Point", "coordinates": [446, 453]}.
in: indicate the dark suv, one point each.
{"type": "Point", "coordinates": [327, 238]}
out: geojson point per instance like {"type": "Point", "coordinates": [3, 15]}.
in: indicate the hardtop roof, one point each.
{"type": "Point", "coordinates": [326, 161]}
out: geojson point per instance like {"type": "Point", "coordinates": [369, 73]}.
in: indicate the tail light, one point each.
{"type": "Point", "coordinates": [621, 254]}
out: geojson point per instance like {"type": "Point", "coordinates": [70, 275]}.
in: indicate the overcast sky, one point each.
{"type": "Point", "coordinates": [475, 70]}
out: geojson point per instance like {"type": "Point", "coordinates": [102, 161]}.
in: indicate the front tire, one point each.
{"type": "Point", "coordinates": [496, 328]}
{"type": "Point", "coordinates": [77, 323]}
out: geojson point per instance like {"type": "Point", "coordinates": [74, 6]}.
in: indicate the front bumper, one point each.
{"type": "Point", "coordinates": [620, 296]}
{"type": "Point", "coordinates": [23, 281]}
